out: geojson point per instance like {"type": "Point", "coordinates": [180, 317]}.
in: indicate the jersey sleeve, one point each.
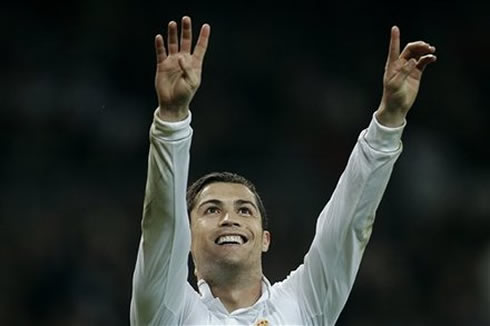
{"type": "Point", "coordinates": [323, 282]}
{"type": "Point", "coordinates": [160, 275]}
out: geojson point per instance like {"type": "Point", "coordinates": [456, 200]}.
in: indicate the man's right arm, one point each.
{"type": "Point", "coordinates": [161, 268]}
{"type": "Point", "coordinates": [160, 277]}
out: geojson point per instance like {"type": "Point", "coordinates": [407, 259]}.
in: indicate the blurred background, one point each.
{"type": "Point", "coordinates": [287, 87]}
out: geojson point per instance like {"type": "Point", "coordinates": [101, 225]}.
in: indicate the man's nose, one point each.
{"type": "Point", "coordinates": [229, 219]}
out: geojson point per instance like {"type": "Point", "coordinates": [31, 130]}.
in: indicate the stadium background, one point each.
{"type": "Point", "coordinates": [286, 89]}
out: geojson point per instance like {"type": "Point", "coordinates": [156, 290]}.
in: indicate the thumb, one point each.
{"type": "Point", "coordinates": [189, 74]}
{"type": "Point", "coordinates": [405, 71]}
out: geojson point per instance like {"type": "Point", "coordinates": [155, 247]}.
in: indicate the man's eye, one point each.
{"type": "Point", "coordinates": [212, 210]}
{"type": "Point", "coordinates": [244, 211]}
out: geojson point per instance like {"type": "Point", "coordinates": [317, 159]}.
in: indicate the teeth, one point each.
{"type": "Point", "coordinates": [230, 239]}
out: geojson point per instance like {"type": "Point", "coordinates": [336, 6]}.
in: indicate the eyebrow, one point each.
{"type": "Point", "coordinates": [211, 201]}
{"type": "Point", "coordinates": [237, 202]}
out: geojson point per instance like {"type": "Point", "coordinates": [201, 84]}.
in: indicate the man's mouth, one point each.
{"type": "Point", "coordinates": [233, 239]}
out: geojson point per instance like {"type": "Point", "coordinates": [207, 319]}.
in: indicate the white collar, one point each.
{"type": "Point", "coordinates": [214, 303]}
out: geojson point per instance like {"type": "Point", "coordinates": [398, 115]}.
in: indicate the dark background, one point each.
{"type": "Point", "coordinates": [287, 87]}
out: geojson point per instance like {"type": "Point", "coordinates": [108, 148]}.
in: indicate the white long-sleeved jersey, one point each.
{"type": "Point", "coordinates": [313, 294]}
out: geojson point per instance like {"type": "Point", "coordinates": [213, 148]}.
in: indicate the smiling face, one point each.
{"type": "Point", "coordinates": [226, 228]}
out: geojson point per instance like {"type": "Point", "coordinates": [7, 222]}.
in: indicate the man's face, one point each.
{"type": "Point", "coordinates": [226, 228]}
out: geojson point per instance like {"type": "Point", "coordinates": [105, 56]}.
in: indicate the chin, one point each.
{"type": "Point", "coordinates": [222, 264]}
{"type": "Point", "coordinates": [230, 262]}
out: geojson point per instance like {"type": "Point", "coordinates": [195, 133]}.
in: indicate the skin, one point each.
{"type": "Point", "coordinates": [401, 80]}
{"type": "Point", "coordinates": [234, 272]}
{"type": "Point", "coordinates": [178, 73]}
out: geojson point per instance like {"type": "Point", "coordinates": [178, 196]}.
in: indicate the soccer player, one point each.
{"type": "Point", "coordinates": [222, 220]}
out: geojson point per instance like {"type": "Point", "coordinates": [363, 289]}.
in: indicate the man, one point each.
{"type": "Point", "coordinates": [225, 232]}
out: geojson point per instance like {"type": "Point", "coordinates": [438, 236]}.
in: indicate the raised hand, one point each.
{"type": "Point", "coordinates": [402, 76]}
{"type": "Point", "coordinates": [178, 71]}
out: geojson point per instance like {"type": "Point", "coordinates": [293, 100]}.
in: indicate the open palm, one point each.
{"type": "Point", "coordinates": [178, 71]}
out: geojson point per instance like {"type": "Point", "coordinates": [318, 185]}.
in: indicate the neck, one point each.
{"type": "Point", "coordinates": [238, 290]}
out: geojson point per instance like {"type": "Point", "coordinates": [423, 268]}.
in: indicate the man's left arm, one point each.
{"type": "Point", "coordinates": [324, 281]}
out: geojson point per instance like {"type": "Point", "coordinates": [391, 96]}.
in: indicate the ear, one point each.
{"type": "Point", "coordinates": [266, 241]}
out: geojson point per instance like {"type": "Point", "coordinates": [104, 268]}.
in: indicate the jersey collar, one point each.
{"type": "Point", "coordinates": [214, 303]}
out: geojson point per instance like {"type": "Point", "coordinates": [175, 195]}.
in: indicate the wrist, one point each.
{"type": "Point", "coordinates": [390, 118]}
{"type": "Point", "coordinates": [172, 114]}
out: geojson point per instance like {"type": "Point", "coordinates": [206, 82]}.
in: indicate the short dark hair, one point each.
{"type": "Point", "coordinates": [227, 177]}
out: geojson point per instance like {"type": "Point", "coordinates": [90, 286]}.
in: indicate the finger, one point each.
{"type": "Point", "coordinates": [416, 50]}
{"type": "Point", "coordinates": [186, 35]}
{"type": "Point", "coordinates": [173, 46]}
{"type": "Point", "coordinates": [394, 48]}
{"type": "Point", "coordinates": [425, 60]}
{"type": "Point", "coordinates": [160, 51]}
{"type": "Point", "coordinates": [202, 42]}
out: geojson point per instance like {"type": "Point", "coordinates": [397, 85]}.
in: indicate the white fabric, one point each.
{"type": "Point", "coordinates": [313, 294]}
